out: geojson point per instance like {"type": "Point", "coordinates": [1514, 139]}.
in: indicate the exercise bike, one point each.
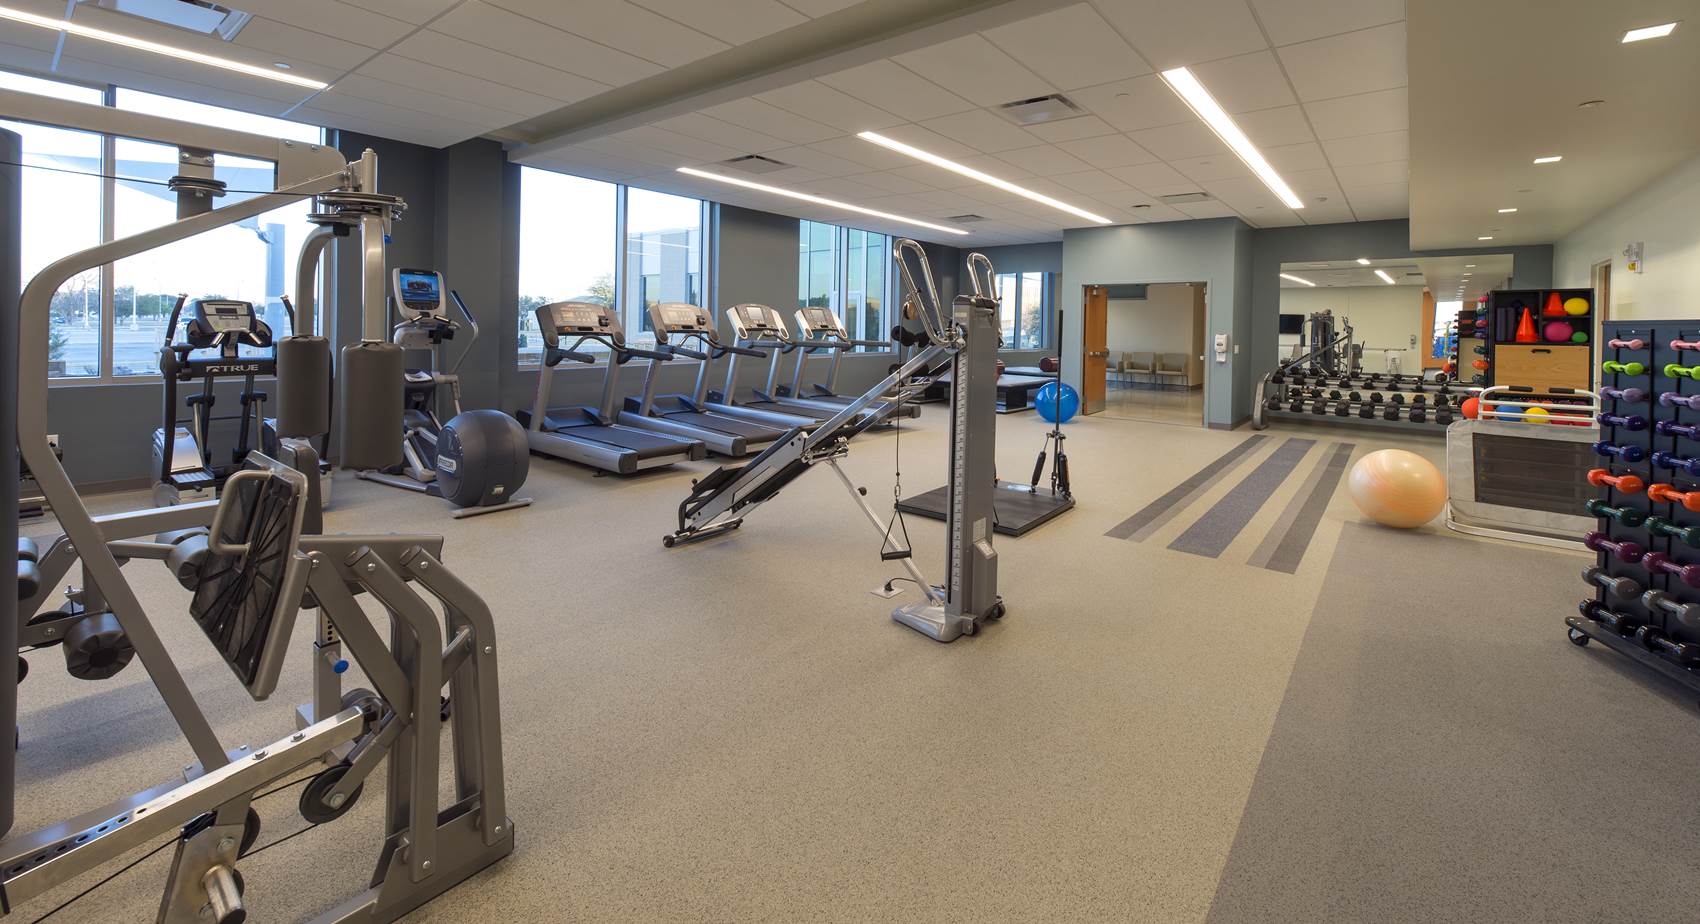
{"type": "Point", "coordinates": [478, 459]}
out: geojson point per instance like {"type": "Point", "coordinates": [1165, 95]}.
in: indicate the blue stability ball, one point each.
{"type": "Point", "coordinates": [1046, 403]}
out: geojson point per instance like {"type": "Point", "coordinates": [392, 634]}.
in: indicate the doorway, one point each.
{"type": "Point", "coordinates": [1600, 279]}
{"type": "Point", "coordinates": [1145, 352]}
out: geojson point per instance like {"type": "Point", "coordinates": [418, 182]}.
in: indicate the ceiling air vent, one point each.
{"type": "Point", "coordinates": [1184, 198]}
{"type": "Point", "coordinates": [754, 163]}
{"type": "Point", "coordinates": [967, 219]}
{"type": "Point", "coordinates": [1040, 109]}
{"type": "Point", "coordinates": [209, 19]}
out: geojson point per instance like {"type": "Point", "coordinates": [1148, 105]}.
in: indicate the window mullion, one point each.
{"type": "Point", "coordinates": [108, 226]}
{"type": "Point", "coordinates": [621, 263]}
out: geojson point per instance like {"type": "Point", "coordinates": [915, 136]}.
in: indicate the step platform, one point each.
{"type": "Point", "coordinates": [1017, 510]}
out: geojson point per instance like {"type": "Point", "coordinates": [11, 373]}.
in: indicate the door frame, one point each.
{"type": "Point", "coordinates": [1209, 306]}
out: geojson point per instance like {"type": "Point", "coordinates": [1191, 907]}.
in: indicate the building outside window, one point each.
{"type": "Point", "coordinates": [849, 271]}
{"type": "Point", "coordinates": [1026, 307]}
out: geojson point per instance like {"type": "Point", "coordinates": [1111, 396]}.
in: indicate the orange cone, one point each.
{"type": "Point", "coordinates": [1526, 328]}
{"type": "Point", "coordinates": [1555, 306]}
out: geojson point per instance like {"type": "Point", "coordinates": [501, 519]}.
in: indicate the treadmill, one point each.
{"type": "Point", "coordinates": [759, 330]}
{"type": "Point", "coordinates": [587, 435]}
{"type": "Point", "coordinates": [688, 416]}
{"type": "Point", "coordinates": [819, 329]}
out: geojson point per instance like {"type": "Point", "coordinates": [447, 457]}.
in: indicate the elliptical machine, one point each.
{"type": "Point", "coordinates": [479, 458]}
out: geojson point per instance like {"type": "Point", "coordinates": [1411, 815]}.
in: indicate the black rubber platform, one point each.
{"type": "Point", "coordinates": [1017, 510]}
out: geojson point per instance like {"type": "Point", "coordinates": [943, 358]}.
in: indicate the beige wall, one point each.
{"type": "Point", "coordinates": [1383, 317]}
{"type": "Point", "coordinates": [1662, 218]}
{"type": "Point", "coordinates": [1168, 320]}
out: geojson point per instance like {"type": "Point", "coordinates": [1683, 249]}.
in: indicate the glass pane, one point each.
{"type": "Point", "coordinates": [566, 247]}
{"type": "Point", "coordinates": [816, 266]}
{"type": "Point", "coordinates": [1006, 307]}
{"type": "Point", "coordinates": [1032, 311]}
{"type": "Point", "coordinates": [873, 312]}
{"type": "Point", "coordinates": [663, 255]}
{"type": "Point", "coordinates": [137, 101]}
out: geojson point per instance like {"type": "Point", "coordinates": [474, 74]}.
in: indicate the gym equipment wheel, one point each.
{"type": "Point", "coordinates": [369, 704]}
{"type": "Point", "coordinates": [997, 611]}
{"type": "Point", "coordinates": [444, 708]}
{"type": "Point", "coordinates": [250, 834]}
{"type": "Point", "coordinates": [313, 806]}
{"type": "Point", "coordinates": [667, 542]}
{"type": "Point", "coordinates": [1579, 638]}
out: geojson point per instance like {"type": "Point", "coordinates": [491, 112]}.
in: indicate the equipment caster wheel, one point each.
{"type": "Point", "coordinates": [445, 709]}
{"type": "Point", "coordinates": [369, 704]}
{"type": "Point", "coordinates": [314, 806]}
{"type": "Point", "coordinates": [1579, 638]}
{"type": "Point", "coordinates": [250, 834]}
{"type": "Point", "coordinates": [667, 542]}
{"type": "Point", "coordinates": [997, 612]}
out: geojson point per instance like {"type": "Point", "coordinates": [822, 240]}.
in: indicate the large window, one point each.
{"type": "Point", "coordinates": [1027, 303]}
{"type": "Point", "coordinates": [577, 234]}
{"type": "Point", "coordinates": [110, 322]}
{"type": "Point", "coordinates": [849, 271]}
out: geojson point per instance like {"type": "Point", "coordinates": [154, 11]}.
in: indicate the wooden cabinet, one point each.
{"type": "Point", "coordinates": [1542, 367]}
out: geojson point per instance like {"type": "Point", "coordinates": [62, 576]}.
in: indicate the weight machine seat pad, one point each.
{"type": "Point", "coordinates": [28, 550]}
{"type": "Point", "coordinates": [29, 579]}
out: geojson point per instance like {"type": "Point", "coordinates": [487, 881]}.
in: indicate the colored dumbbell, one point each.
{"type": "Point", "coordinates": [1628, 484]}
{"type": "Point", "coordinates": [1685, 344]}
{"type": "Point", "coordinates": [1631, 395]}
{"type": "Point", "coordinates": [1658, 642]}
{"type": "Point", "coordinates": [1626, 453]}
{"type": "Point", "coordinates": [1668, 494]}
{"type": "Point", "coordinates": [1674, 371]}
{"type": "Point", "coordinates": [1658, 601]}
{"type": "Point", "coordinates": [1636, 344]}
{"type": "Point", "coordinates": [1628, 516]}
{"type": "Point", "coordinates": [1632, 422]}
{"type": "Point", "coordinates": [1672, 399]}
{"type": "Point", "coordinates": [1615, 367]}
{"type": "Point", "coordinates": [1621, 623]}
{"type": "Point", "coordinates": [1672, 428]}
{"type": "Point", "coordinates": [1622, 587]}
{"type": "Point", "coordinates": [1660, 563]}
{"type": "Point", "coordinates": [1687, 535]}
{"type": "Point", "coordinates": [1675, 463]}
{"type": "Point", "coordinates": [1631, 552]}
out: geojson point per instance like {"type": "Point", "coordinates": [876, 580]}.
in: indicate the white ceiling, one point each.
{"type": "Point", "coordinates": [1318, 84]}
{"type": "Point", "coordinates": [1488, 99]}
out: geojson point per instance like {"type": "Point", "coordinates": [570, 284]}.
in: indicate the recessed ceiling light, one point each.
{"type": "Point", "coordinates": [1187, 87]}
{"type": "Point", "coordinates": [1506, 211]}
{"type": "Point", "coordinates": [1291, 277]}
{"type": "Point", "coordinates": [182, 54]}
{"type": "Point", "coordinates": [1649, 32]}
{"type": "Point", "coordinates": [1469, 274]}
{"type": "Point", "coordinates": [1363, 261]}
{"type": "Point", "coordinates": [1485, 237]}
{"type": "Point", "coordinates": [1384, 277]}
{"type": "Point", "coordinates": [793, 194]}
{"type": "Point", "coordinates": [971, 173]}
{"type": "Point", "coordinates": [1550, 159]}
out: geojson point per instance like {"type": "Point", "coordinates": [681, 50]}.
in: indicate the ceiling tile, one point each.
{"type": "Point", "coordinates": [291, 45]}
{"type": "Point", "coordinates": [500, 67]}
{"type": "Point", "coordinates": [818, 160]}
{"type": "Point", "coordinates": [1089, 126]}
{"type": "Point", "coordinates": [976, 70]}
{"type": "Point", "coordinates": [1093, 182]}
{"type": "Point", "coordinates": [494, 27]}
{"type": "Point", "coordinates": [987, 163]}
{"type": "Point", "coordinates": [1246, 82]}
{"type": "Point", "coordinates": [1270, 128]}
{"type": "Point", "coordinates": [615, 146]}
{"type": "Point", "coordinates": [1149, 177]}
{"type": "Point", "coordinates": [1210, 209]}
{"type": "Point", "coordinates": [1357, 62]}
{"type": "Point", "coordinates": [1109, 151]}
{"type": "Point", "coordinates": [928, 176]}
{"type": "Point", "coordinates": [732, 21]}
{"type": "Point", "coordinates": [1371, 203]}
{"type": "Point", "coordinates": [1368, 149]}
{"type": "Point", "coordinates": [413, 11]}
{"type": "Point", "coordinates": [981, 131]}
{"type": "Point", "coordinates": [349, 23]}
{"type": "Point", "coordinates": [430, 78]}
{"type": "Point", "coordinates": [771, 120]}
{"type": "Point", "coordinates": [816, 100]}
{"type": "Point", "coordinates": [1045, 160]}
{"type": "Point", "coordinates": [623, 25]}
{"type": "Point", "coordinates": [1312, 183]}
{"type": "Point", "coordinates": [1188, 139]}
{"type": "Point", "coordinates": [1358, 175]}
{"type": "Point", "coordinates": [1214, 167]}
{"type": "Point", "coordinates": [1130, 105]}
{"type": "Point", "coordinates": [433, 134]}
{"type": "Point", "coordinates": [419, 101]}
{"type": "Point", "coordinates": [696, 125]}
{"type": "Point", "coordinates": [843, 187]}
{"type": "Point", "coordinates": [891, 182]}
{"type": "Point", "coordinates": [1173, 33]}
{"type": "Point", "coordinates": [1334, 211]}
{"type": "Point", "coordinates": [870, 156]}
{"type": "Point", "coordinates": [1072, 47]}
{"type": "Point", "coordinates": [684, 146]}
{"type": "Point", "coordinates": [927, 140]}
{"type": "Point", "coordinates": [1363, 114]}
{"type": "Point", "coordinates": [1293, 158]}
{"type": "Point", "coordinates": [819, 8]}
{"type": "Point", "coordinates": [889, 86]}
{"type": "Point", "coordinates": [1289, 21]}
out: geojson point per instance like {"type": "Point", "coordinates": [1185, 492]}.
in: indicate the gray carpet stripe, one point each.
{"type": "Point", "coordinates": [1222, 523]}
{"type": "Point", "coordinates": [1285, 546]}
{"type": "Point", "coordinates": [1164, 508]}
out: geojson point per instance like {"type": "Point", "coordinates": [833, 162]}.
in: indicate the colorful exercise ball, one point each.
{"type": "Point", "coordinates": [1575, 306]}
{"type": "Point", "coordinates": [1580, 336]}
{"type": "Point", "coordinates": [1397, 488]}
{"type": "Point", "coordinates": [1471, 407]}
{"type": "Point", "coordinates": [1055, 409]}
{"type": "Point", "coordinates": [1536, 415]}
{"type": "Point", "coordinates": [1557, 331]}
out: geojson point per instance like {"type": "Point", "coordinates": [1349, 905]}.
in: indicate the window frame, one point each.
{"type": "Point", "coordinates": [840, 283]}
{"type": "Point", "coordinates": [1047, 307]}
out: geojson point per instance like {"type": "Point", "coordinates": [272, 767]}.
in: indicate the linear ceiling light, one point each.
{"type": "Point", "coordinates": [1290, 276]}
{"type": "Point", "coordinates": [971, 173]}
{"type": "Point", "coordinates": [1506, 211]}
{"type": "Point", "coordinates": [1484, 237]}
{"type": "Point", "coordinates": [1187, 87]}
{"type": "Point", "coordinates": [1384, 277]}
{"type": "Point", "coordinates": [1550, 159]}
{"type": "Point", "coordinates": [1650, 32]}
{"type": "Point", "coordinates": [793, 194]}
{"type": "Point", "coordinates": [1363, 261]}
{"type": "Point", "coordinates": [182, 54]}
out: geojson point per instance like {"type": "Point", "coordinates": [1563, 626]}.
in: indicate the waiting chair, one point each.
{"type": "Point", "coordinates": [1172, 366]}
{"type": "Point", "coordinates": [1141, 364]}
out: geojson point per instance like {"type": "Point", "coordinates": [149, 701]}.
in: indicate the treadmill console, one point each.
{"type": "Point", "coordinates": [817, 321]}
{"type": "Point", "coordinates": [419, 292]}
{"type": "Point", "coordinates": [573, 318]}
{"type": "Point", "coordinates": [757, 322]}
{"type": "Point", "coordinates": [679, 318]}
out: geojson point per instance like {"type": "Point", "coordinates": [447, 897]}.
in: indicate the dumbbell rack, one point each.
{"type": "Point", "coordinates": [1298, 395]}
{"type": "Point", "coordinates": [1646, 579]}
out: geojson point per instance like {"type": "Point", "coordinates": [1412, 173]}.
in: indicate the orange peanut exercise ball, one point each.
{"type": "Point", "coordinates": [1397, 488]}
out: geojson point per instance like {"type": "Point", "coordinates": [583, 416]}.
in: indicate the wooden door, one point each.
{"type": "Point", "coordinates": [1093, 367]}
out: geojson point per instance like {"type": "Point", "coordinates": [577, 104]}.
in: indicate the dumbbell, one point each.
{"type": "Point", "coordinates": [1628, 516]}
{"type": "Point", "coordinates": [1672, 399]}
{"type": "Point", "coordinates": [1377, 397]}
{"type": "Point", "coordinates": [1628, 484]}
{"type": "Point", "coordinates": [1621, 623]}
{"type": "Point", "coordinates": [1674, 371]}
{"type": "Point", "coordinates": [1672, 428]}
{"type": "Point", "coordinates": [1342, 409]}
{"type": "Point", "coordinates": [1319, 406]}
{"type": "Point", "coordinates": [1334, 395]}
{"type": "Point", "coordinates": [1626, 453]}
{"type": "Point", "coordinates": [1276, 378]}
{"type": "Point", "coordinates": [1391, 412]}
{"type": "Point", "coordinates": [1636, 344]}
{"type": "Point", "coordinates": [1631, 552]}
{"type": "Point", "coordinates": [1632, 422]}
{"type": "Point", "coordinates": [1616, 586]}
{"type": "Point", "coordinates": [1660, 563]}
{"type": "Point", "coordinates": [1418, 414]}
{"type": "Point", "coordinates": [1397, 399]}
{"type": "Point", "coordinates": [1443, 416]}
{"type": "Point", "coordinates": [1685, 345]}
{"type": "Point", "coordinates": [1668, 494]}
{"type": "Point", "coordinates": [1659, 601]}
{"type": "Point", "coordinates": [1631, 395]}
{"type": "Point", "coordinates": [1687, 535]}
{"type": "Point", "coordinates": [1615, 367]}
{"type": "Point", "coordinates": [1659, 643]}
{"type": "Point", "coordinates": [1674, 463]}
{"type": "Point", "coordinates": [1298, 404]}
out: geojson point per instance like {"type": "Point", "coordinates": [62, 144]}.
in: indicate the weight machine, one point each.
{"type": "Point", "coordinates": [966, 336]}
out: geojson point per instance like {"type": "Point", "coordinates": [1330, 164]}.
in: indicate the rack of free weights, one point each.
{"type": "Point", "coordinates": [1645, 582]}
{"type": "Point", "coordinates": [1405, 400]}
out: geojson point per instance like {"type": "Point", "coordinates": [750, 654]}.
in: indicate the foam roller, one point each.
{"type": "Point", "coordinates": [369, 406]}
{"type": "Point", "coordinates": [303, 386]}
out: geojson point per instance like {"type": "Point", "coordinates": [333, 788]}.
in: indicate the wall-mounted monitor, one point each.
{"type": "Point", "coordinates": [1292, 324]}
